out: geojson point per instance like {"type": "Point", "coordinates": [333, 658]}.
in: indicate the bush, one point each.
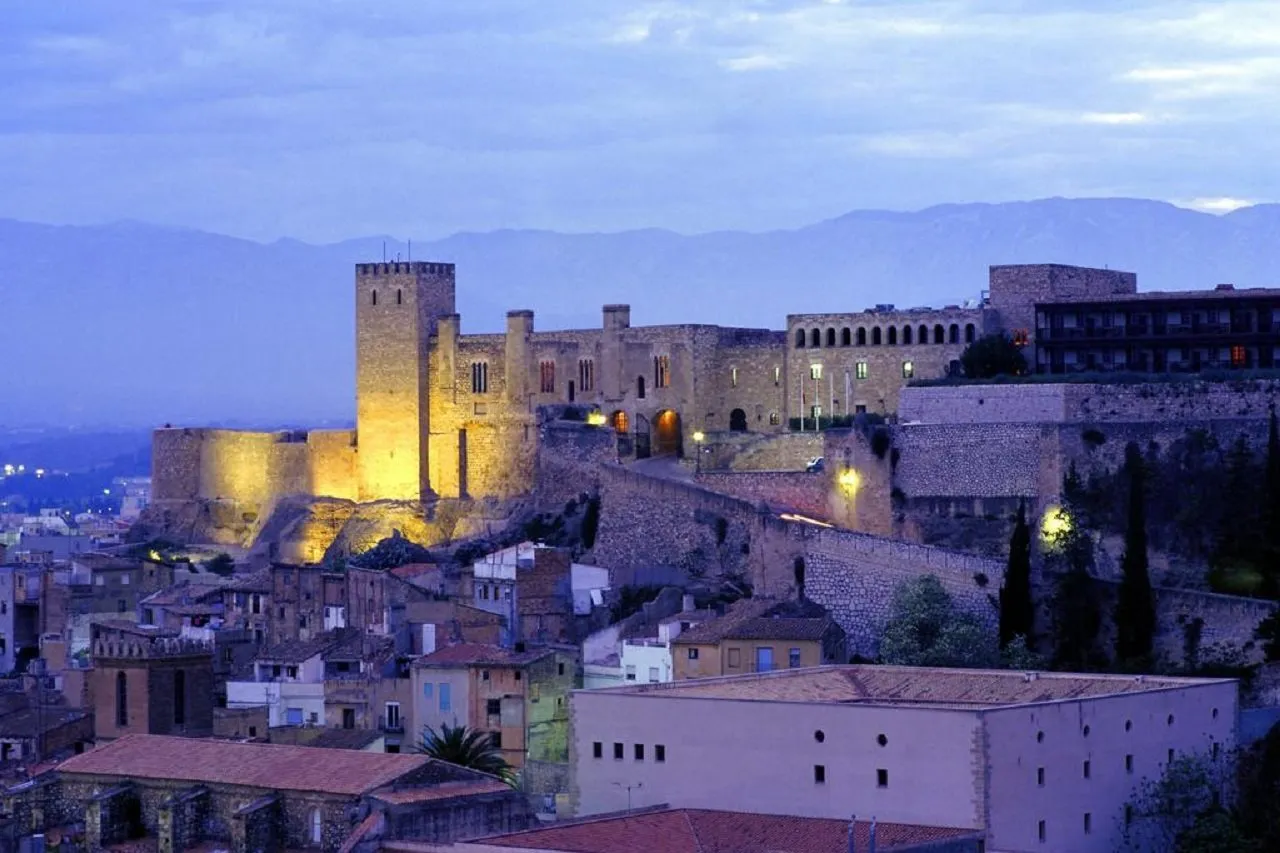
{"type": "Point", "coordinates": [992, 355]}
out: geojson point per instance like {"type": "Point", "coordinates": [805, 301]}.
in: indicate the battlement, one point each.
{"type": "Point", "coordinates": [149, 648]}
{"type": "Point", "coordinates": [405, 268]}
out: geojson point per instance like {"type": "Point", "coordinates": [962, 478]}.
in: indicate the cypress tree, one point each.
{"type": "Point", "coordinates": [1017, 611]}
{"type": "Point", "coordinates": [1135, 608]}
{"type": "Point", "coordinates": [1273, 485]}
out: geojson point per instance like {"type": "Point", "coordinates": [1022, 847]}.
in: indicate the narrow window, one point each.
{"type": "Point", "coordinates": [733, 377]}
{"type": "Point", "coordinates": [597, 750]}
{"type": "Point", "coordinates": [1040, 831]}
{"type": "Point", "coordinates": [1040, 776]}
{"type": "Point", "coordinates": [819, 774]}
{"type": "Point", "coordinates": [846, 337]}
{"type": "Point", "coordinates": [924, 335]}
{"type": "Point", "coordinates": [1088, 823]}
{"type": "Point", "coordinates": [661, 371]}
{"type": "Point", "coordinates": [955, 333]}
{"type": "Point", "coordinates": [1128, 763]}
{"type": "Point", "coordinates": [777, 376]}
{"type": "Point", "coordinates": [815, 338]}
{"type": "Point", "coordinates": [970, 333]}
{"type": "Point", "coordinates": [893, 336]}
{"type": "Point", "coordinates": [547, 373]}
{"type": "Point", "coordinates": [640, 387]}
{"type": "Point", "coordinates": [617, 752]}
{"type": "Point", "coordinates": [659, 753]}
{"type": "Point", "coordinates": [939, 334]}
{"type": "Point", "coordinates": [815, 371]}
{"type": "Point", "coordinates": [906, 335]}
{"type": "Point", "coordinates": [860, 370]}
{"type": "Point", "coordinates": [479, 377]}
{"type": "Point", "coordinates": [1170, 761]}
{"type": "Point", "coordinates": [908, 369]}
{"type": "Point", "coordinates": [793, 658]}
{"type": "Point", "coordinates": [639, 752]}
{"type": "Point", "coordinates": [799, 338]}
{"type": "Point", "coordinates": [374, 297]}
{"type": "Point", "coordinates": [586, 375]}
{"type": "Point", "coordinates": [316, 827]}
{"type": "Point", "coordinates": [862, 337]}
{"type": "Point", "coordinates": [875, 336]}
{"type": "Point", "coordinates": [399, 297]}
{"type": "Point", "coordinates": [180, 697]}
{"type": "Point", "coordinates": [831, 337]}
{"type": "Point", "coordinates": [122, 700]}
{"type": "Point", "coordinates": [1086, 768]}
{"type": "Point", "coordinates": [882, 778]}
{"type": "Point", "coordinates": [693, 654]}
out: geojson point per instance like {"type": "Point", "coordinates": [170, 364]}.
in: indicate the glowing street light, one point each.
{"type": "Point", "coordinates": [699, 437]}
{"type": "Point", "coordinates": [849, 481]}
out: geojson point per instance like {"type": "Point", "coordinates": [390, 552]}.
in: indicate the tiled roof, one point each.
{"type": "Point", "coordinates": [468, 654]}
{"type": "Point", "coordinates": [713, 630]}
{"type": "Point", "coordinates": [412, 570]}
{"type": "Point", "coordinates": [183, 593]}
{"type": "Point", "coordinates": [443, 791]}
{"type": "Point", "coordinates": [704, 831]}
{"type": "Point", "coordinates": [343, 739]}
{"type": "Point", "coordinates": [32, 721]}
{"type": "Point", "coordinates": [259, 581]}
{"type": "Point", "coordinates": [256, 765]}
{"type": "Point", "coordinates": [779, 628]}
{"type": "Point", "coordinates": [297, 651]}
{"type": "Point", "coordinates": [904, 685]}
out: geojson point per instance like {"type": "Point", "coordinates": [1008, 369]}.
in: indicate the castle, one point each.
{"type": "Point", "coordinates": [443, 415]}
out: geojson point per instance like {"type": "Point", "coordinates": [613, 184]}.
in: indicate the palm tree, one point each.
{"type": "Point", "coordinates": [466, 748]}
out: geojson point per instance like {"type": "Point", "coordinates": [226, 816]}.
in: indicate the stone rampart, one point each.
{"type": "Point", "coordinates": [746, 451]}
{"type": "Point", "coordinates": [797, 491]}
{"type": "Point", "coordinates": [969, 460]}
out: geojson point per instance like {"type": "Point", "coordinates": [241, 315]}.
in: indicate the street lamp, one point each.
{"type": "Point", "coordinates": [698, 438]}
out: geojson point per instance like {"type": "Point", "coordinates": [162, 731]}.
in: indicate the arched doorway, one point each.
{"type": "Point", "coordinates": [737, 421]}
{"type": "Point", "coordinates": [642, 437]}
{"type": "Point", "coordinates": [666, 434]}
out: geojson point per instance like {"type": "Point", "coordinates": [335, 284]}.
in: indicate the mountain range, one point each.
{"type": "Point", "coordinates": [138, 324]}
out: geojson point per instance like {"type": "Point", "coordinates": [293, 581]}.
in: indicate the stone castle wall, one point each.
{"type": "Point", "coordinates": [794, 491]}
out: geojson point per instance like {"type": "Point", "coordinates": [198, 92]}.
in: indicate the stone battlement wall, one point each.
{"type": "Point", "coordinates": [799, 491]}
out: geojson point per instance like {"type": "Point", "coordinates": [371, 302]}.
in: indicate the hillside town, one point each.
{"type": "Point", "coordinates": [998, 576]}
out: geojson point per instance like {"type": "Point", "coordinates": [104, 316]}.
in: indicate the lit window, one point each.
{"type": "Point", "coordinates": [815, 371]}
{"type": "Point", "coordinates": [777, 376]}
{"type": "Point", "coordinates": [733, 377]}
{"type": "Point", "coordinates": [908, 370]}
{"type": "Point", "coordinates": [860, 370]}
{"type": "Point", "coordinates": [479, 377]}
{"type": "Point", "coordinates": [1239, 356]}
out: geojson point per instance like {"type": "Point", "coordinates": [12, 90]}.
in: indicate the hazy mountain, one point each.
{"type": "Point", "coordinates": [133, 323]}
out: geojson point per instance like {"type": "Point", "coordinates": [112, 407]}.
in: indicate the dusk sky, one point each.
{"type": "Point", "coordinates": [327, 119]}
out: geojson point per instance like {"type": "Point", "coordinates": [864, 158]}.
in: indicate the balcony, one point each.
{"type": "Point", "coordinates": [395, 726]}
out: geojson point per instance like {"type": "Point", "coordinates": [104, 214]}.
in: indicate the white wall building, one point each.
{"type": "Point", "coordinates": [289, 680]}
{"type": "Point", "coordinates": [1040, 762]}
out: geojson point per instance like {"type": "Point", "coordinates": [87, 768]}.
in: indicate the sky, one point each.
{"type": "Point", "coordinates": [328, 119]}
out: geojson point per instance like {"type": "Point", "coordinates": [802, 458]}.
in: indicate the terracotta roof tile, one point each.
{"type": "Point", "coordinates": [466, 654]}
{"type": "Point", "coordinates": [705, 831]}
{"type": "Point", "coordinates": [444, 791]}
{"type": "Point", "coordinates": [779, 628]}
{"type": "Point", "coordinates": [256, 765]}
{"type": "Point", "coordinates": [184, 593]}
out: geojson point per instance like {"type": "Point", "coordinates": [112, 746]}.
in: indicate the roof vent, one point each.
{"type": "Point", "coordinates": [1225, 287]}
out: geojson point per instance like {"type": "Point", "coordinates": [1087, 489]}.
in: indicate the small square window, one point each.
{"type": "Point", "coordinates": [639, 752]}
{"type": "Point", "coordinates": [493, 707]}
{"type": "Point", "coordinates": [1086, 769]}
{"type": "Point", "coordinates": [882, 778]}
{"type": "Point", "coordinates": [484, 675]}
{"type": "Point", "coordinates": [617, 752]}
{"type": "Point", "coordinates": [693, 654]}
{"type": "Point", "coordinates": [597, 750]}
{"type": "Point", "coordinates": [819, 774]}
{"type": "Point", "coordinates": [659, 752]}
{"type": "Point", "coordinates": [517, 675]}
{"type": "Point", "coordinates": [559, 669]}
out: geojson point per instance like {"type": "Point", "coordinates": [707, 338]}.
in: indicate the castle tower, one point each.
{"type": "Point", "coordinates": [398, 306]}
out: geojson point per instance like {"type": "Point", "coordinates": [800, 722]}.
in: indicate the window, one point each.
{"type": "Point", "coordinates": [860, 370]}
{"type": "Point", "coordinates": [484, 673]}
{"type": "Point", "coordinates": [861, 337]}
{"type": "Point", "coordinates": [631, 672]}
{"type": "Point", "coordinates": [764, 659]}
{"type": "Point", "coordinates": [970, 333]}
{"type": "Point", "coordinates": [639, 752]}
{"type": "Point", "coordinates": [560, 669]}
{"type": "Point", "coordinates": [793, 658]}
{"type": "Point", "coordinates": [661, 371]}
{"type": "Point", "coordinates": [1128, 763]}
{"type": "Point", "coordinates": [733, 377]}
{"type": "Point", "coordinates": [819, 735]}
{"type": "Point", "coordinates": [586, 375]}
{"type": "Point", "coordinates": [100, 580]}
{"type": "Point", "coordinates": [291, 671]}
{"type": "Point", "coordinates": [493, 707]}
{"type": "Point", "coordinates": [617, 752]}
{"type": "Point", "coordinates": [640, 387]}
{"type": "Point", "coordinates": [908, 369]}
{"type": "Point", "coordinates": [659, 752]}
{"type": "Point", "coordinates": [293, 716]}
{"type": "Point", "coordinates": [815, 371]}
{"type": "Point", "coordinates": [393, 715]}
{"type": "Point", "coordinates": [122, 700]}
{"type": "Point", "coordinates": [693, 654]}
{"type": "Point", "coordinates": [348, 718]}
{"type": "Point", "coordinates": [373, 298]}
{"type": "Point", "coordinates": [479, 377]}
{"type": "Point", "coordinates": [446, 701]}
{"type": "Point", "coordinates": [774, 419]}
{"type": "Point", "coordinates": [1040, 829]}
{"type": "Point", "coordinates": [653, 679]}
{"type": "Point", "coordinates": [1216, 749]}
{"type": "Point", "coordinates": [317, 825]}
{"type": "Point", "coordinates": [882, 778]}
{"type": "Point", "coordinates": [906, 335]}
{"type": "Point", "coordinates": [892, 337]}
{"type": "Point", "coordinates": [819, 774]}
{"type": "Point", "coordinates": [547, 377]}
{"type": "Point", "coordinates": [735, 657]}
{"type": "Point", "coordinates": [777, 376]}
{"type": "Point", "coordinates": [124, 580]}
{"type": "Point", "coordinates": [846, 337]}
{"type": "Point", "coordinates": [799, 338]}
{"type": "Point", "coordinates": [939, 334]}
{"type": "Point", "coordinates": [953, 335]}
{"type": "Point", "coordinates": [597, 750]}
{"type": "Point", "coordinates": [831, 337]}
{"type": "Point", "coordinates": [399, 296]}
{"type": "Point", "coordinates": [1088, 823]}
{"type": "Point", "coordinates": [1086, 768]}
{"type": "Point", "coordinates": [180, 697]}
{"type": "Point", "coordinates": [1040, 776]}
{"type": "Point", "coordinates": [516, 675]}
{"type": "Point", "coordinates": [815, 338]}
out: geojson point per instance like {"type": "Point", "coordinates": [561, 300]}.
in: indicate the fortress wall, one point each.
{"type": "Point", "coordinates": [968, 460]}
{"type": "Point", "coordinates": [333, 463]}
{"type": "Point", "coordinates": [235, 465]}
{"type": "Point", "coordinates": [289, 466]}
{"type": "Point", "coordinates": [798, 491]}
{"type": "Point", "coordinates": [747, 451]}
{"type": "Point", "coordinates": [175, 464]}
{"type": "Point", "coordinates": [983, 404]}
{"type": "Point", "coordinates": [747, 372]}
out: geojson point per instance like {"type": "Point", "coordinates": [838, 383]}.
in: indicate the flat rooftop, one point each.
{"type": "Point", "coordinates": [915, 686]}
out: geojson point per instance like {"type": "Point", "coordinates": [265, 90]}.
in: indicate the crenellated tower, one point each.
{"type": "Point", "coordinates": [398, 306]}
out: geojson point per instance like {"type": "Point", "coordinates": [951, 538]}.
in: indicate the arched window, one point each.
{"type": "Point", "coordinates": [862, 337]}
{"type": "Point", "coordinates": [374, 297]}
{"type": "Point", "coordinates": [954, 333]}
{"type": "Point", "coordinates": [831, 337]}
{"type": "Point", "coordinates": [924, 335]}
{"type": "Point", "coordinates": [845, 337]}
{"type": "Point", "coordinates": [815, 338]}
{"type": "Point", "coordinates": [799, 338]}
{"type": "Point", "coordinates": [122, 700]}
{"type": "Point", "coordinates": [317, 826]}
{"type": "Point", "coordinates": [906, 335]}
{"type": "Point", "coordinates": [970, 333]}
{"type": "Point", "coordinates": [875, 336]}
{"type": "Point", "coordinates": [619, 421]}
{"type": "Point", "coordinates": [939, 334]}
{"type": "Point", "coordinates": [180, 698]}
{"type": "Point", "coordinates": [893, 336]}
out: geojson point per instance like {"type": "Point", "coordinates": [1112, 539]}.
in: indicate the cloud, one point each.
{"type": "Point", "coordinates": [1215, 205]}
{"type": "Point", "coordinates": [1114, 118]}
{"type": "Point", "coordinates": [755, 63]}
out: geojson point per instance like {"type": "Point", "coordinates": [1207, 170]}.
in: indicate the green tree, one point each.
{"type": "Point", "coordinates": [1183, 810]}
{"type": "Point", "coordinates": [1273, 499]}
{"type": "Point", "coordinates": [1017, 611]}
{"type": "Point", "coordinates": [993, 355]}
{"type": "Point", "coordinates": [1258, 785]}
{"type": "Point", "coordinates": [392, 552]}
{"type": "Point", "coordinates": [1135, 606]}
{"type": "Point", "coordinates": [464, 747]}
{"type": "Point", "coordinates": [222, 565]}
{"type": "Point", "coordinates": [924, 629]}
{"type": "Point", "coordinates": [1076, 604]}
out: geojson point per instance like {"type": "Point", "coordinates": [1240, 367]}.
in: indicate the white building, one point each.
{"type": "Point", "coordinates": [1037, 761]}
{"type": "Point", "coordinates": [495, 588]}
{"type": "Point", "coordinates": [611, 659]}
{"type": "Point", "coordinates": [289, 680]}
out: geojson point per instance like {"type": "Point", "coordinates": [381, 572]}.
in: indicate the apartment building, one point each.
{"type": "Point", "coordinates": [1036, 761]}
{"type": "Point", "coordinates": [759, 635]}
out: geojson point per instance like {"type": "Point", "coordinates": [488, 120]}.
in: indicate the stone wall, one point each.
{"type": "Point", "coordinates": [793, 491]}
{"type": "Point", "coordinates": [745, 451]}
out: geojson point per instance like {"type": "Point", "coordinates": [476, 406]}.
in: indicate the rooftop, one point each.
{"type": "Point", "coordinates": [780, 628]}
{"type": "Point", "coordinates": [183, 594]}
{"type": "Point", "coordinates": [443, 791]}
{"type": "Point", "coordinates": [468, 654]}
{"type": "Point", "coordinates": [758, 618]}
{"type": "Point", "coordinates": [256, 765]}
{"type": "Point", "coordinates": [297, 651]}
{"type": "Point", "coordinates": [704, 831]}
{"type": "Point", "coordinates": [1224, 293]}
{"type": "Point", "coordinates": [969, 689]}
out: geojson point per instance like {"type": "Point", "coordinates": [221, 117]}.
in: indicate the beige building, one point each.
{"type": "Point", "coordinates": [759, 635]}
{"type": "Point", "coordinates": [1037, 761]}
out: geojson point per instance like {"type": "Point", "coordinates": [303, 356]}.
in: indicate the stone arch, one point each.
{"type": "Point", "coordinates": [845, 337]}
{"type": "Point", "coordinates": [667, 437]}
{"type": "Point", "coordinates": [831, 336]}
{"type": "Point", "coordinates": [923, 336]}
{"type": "Point", "coordinates": [799, 338]}
{"type": "Point", "coordinates": [906, 336]}
{"type": "Point", "coordinates": [939, 334]}
{"type": "Point", "coordinates": [892, 336]}
{"type": "Point", "coordinates": [970, 333]}
{"type": "Point", "coordinates": [875, 336]}
{"type": "Point", "coordinates": [815, 338]}
{"type": "Point", "coordinates": [738, 421]}
{"type": "Point", "coordinates": [953, 333]}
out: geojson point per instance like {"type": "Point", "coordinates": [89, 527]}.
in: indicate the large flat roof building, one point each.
{"type": "Point", "coordinates": [1036, 761]}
